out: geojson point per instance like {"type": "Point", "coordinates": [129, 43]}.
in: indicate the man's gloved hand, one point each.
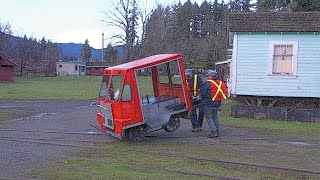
{"type": "Point", "coordinates": [197, 98]}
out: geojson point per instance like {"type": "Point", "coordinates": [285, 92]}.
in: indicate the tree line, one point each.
{"type": "Point", "coordinates": [33, 57]}
{"type": "Point", "coordinates": [197, 31]}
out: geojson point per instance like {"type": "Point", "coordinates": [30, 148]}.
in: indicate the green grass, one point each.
{"type": "Point", "coordinates": [30, 88]}
{"type": "Point", "coordinates": [94, 170]}
{"type": "Point", "coordinates": [140, 160]}
{"type": "Point", "coordinates": [76, 88]}
{"type": "Point", "coordinates": [289, 129]}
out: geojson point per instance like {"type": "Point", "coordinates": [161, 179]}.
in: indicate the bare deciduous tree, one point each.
{"type": "Point", "coordinates": [124, 15]}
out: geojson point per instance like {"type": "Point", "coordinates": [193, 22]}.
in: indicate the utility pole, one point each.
{"type": "Point", "coordinates": [102, 60]}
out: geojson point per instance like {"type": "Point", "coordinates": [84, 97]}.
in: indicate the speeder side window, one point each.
{"type": "Point", "coordinates": [126, 93]}
{"type": "Point", "coordinates": [163, 70]}
{"type": "Point", "coordinates": [103, 88]}
{"type": "Point", "coordinates": [115, 87]}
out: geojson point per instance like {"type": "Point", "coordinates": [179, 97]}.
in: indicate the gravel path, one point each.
{"type": "Point", "coordinates": [47, 132]}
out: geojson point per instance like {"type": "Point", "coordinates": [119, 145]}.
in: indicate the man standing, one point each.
{"type": "Point", "coordinates": [195, 83]}
{"type": "Point", "coordinates": [214, 91]}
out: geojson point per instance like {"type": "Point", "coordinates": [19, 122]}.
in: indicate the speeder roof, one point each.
{"type": "Point", "coordinates": [146, 62]}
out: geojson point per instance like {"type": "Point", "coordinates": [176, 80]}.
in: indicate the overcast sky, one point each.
{"type": "Point", "coordinates": [63, 20]}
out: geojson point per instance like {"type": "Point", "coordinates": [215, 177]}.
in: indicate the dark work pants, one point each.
{"type": "Point", "coordinates": [212, 118]}
{"type": "Point", "coordinates": [196, 120]}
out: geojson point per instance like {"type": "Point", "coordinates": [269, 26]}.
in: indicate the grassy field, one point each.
{"type": "Point", "coordinates": [35, 88]}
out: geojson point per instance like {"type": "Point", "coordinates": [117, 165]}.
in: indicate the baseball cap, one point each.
{"type": "Point", "coordinates": [212, 73]}
{"type": "Point", "coordinates": [188, 72]}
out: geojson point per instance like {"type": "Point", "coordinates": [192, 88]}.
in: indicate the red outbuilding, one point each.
{"type": "Point", "coordinates": [6, 69]}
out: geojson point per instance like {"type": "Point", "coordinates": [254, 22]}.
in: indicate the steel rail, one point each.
{"type": "Point", "coordinates": [51, 139]}
{"type": "Point", "coordinates": [48, 143]}
{"type": "Point", "coordinates": [12, 178]}
{"type": "Point", "coordinates": [231, 162]}
{"type": "Point", "coordinates": [257, 165]}
{"type": "Point", "coordinates": [186, 157]}
{"type": "Point", "coordinates": [53, 132]}
{"type": "Point", "coordinates": [186, 172]}
{"type": "Point", "coordinates": [240, 163]}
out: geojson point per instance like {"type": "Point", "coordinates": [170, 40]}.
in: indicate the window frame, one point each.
{"type": "Point", "coordinates": [122, 92]}
{"type": "Point", "coordinates": [106, 79]}
{"type": "Point", "coordinates": [294, 57]}
{"type": "Point", "coordinates": [167, 75]}
{"type": "Point", "coordinates": [172, 75]}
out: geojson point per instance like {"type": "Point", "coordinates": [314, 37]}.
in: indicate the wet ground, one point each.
{"type": "Point", "coordinates": [44, 131]}
{"type": "Point", "coordinates": [41, 132]}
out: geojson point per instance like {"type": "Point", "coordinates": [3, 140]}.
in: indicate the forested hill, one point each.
{"type": "Point", "coordinates": [74, 50]}
{"type": "Point", "coordinates": [11, 45]}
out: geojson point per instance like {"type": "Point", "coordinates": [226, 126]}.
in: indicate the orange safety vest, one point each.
{"type": "Point", "coordinates": [195, 89]}
{"type": "Point", "coordinates": [218, 90]}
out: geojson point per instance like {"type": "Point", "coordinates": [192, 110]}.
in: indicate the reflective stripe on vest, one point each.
{"type": "Point", "coordinates": [218, 90]}
{"type": "Point", "coordinates": [195, 79]}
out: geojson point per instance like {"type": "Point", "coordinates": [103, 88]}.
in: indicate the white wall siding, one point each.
{"type": "Point", "coordinates": [253, 66]}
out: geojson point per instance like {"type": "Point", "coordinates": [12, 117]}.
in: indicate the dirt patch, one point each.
{"type": "Point", "coordinates": [39, 133]}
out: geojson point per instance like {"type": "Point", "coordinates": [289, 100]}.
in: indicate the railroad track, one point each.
{"type": "Point", "coordinates": [255, 165]}
{"type": "Point", "coordinates": [186, 172]}
{"type": "Point", "coordinates": [237, 163]}
{"type": "Point", "coordinates": [47, 143]}
{"type": "Point", "coordinates": [53, 132]}
{"type": "Point", "coordinates": [195, 173]}
{"type": "Point", "coordinates": [57, 142]}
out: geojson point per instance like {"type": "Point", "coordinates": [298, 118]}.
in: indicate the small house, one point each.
{"type": "Point", "coordinates": [72, 68]}
{"type": "Point", "coordinates": [276, 60]}
{"type": "Point", "coordinates": [6, 69]}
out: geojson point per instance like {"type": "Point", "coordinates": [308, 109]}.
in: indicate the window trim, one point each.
{"type": "Point", "coordinates": [272, 44]}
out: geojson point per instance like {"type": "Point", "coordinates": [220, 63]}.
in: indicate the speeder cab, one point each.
{"type": "Point", "coordinates": [142, 96]}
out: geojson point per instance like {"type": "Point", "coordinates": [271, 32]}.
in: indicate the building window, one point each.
{"type": "Point", "coordinates": [60, 66]}
{"type": "Point", "coordinates": [76, 68]}
{"type": "Point", "coordinates": [283, 58]}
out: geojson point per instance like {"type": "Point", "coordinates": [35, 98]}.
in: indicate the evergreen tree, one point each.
{"type": "Point", "coordinates": [111, 54]}
{"type": "Point", "coordinates": [207, 18]}
{"type": "Point", "coordinates": [86, 51]}
{"type": "Point", "coordinates": [267, 5]}
{"type": "Point", "coordinates": [196, 22]}
{"type": "Point", "coordinates": [156, 31]}
{"type": "Point", "coordinates": [306, 5]}
{"type": "Point", "coordinates": [241, 5]}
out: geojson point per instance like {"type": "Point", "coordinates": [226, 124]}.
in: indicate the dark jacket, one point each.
{"type": "Point", "coordinates": [190, 84]}
{"type": "Point", "coordinates": [206, 96]}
